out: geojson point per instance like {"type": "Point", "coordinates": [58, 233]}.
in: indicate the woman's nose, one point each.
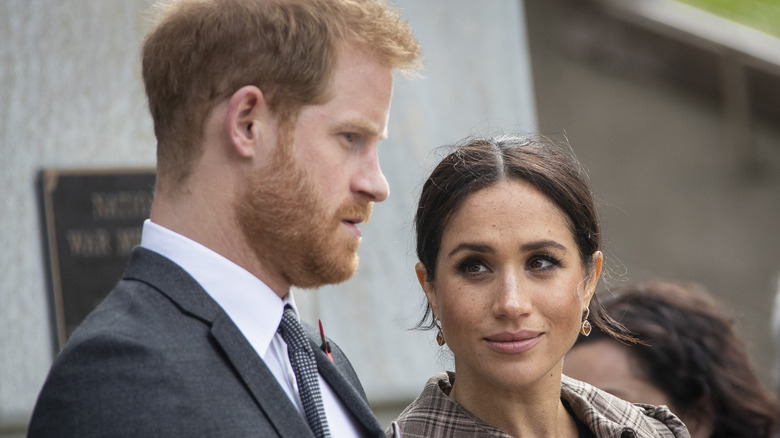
{"type": "Point", "coordinates": [512, 298]}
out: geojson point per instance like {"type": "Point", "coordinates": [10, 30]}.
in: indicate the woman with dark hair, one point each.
{"type": "Point", "coordinates": [688, 358]}
{"type": "Point", "coordinates": [508, 243]}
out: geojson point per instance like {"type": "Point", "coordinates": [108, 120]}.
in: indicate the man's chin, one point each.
{"type": "Point", "coordinates": [333, 274]}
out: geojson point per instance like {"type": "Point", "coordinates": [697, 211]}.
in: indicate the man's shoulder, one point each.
{"type": "Point", "coordinates": [135, 330]}
{"type": "Point", "coordinates": [138, 355]}
{"type": "Point", "coordinates": [132, 311]}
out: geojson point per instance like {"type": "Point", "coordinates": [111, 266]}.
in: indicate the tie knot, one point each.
{"type": "Point", "coordinates": [292, 331]}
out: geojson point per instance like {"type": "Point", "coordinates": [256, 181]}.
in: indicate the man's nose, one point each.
{"type": "Point", "coordinates": [370, 181]}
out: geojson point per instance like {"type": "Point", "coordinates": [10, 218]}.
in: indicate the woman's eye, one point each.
{"type": "Point", "coordinates": [472, 267]}
{"type": "Point", "coordinates": [542, 263]}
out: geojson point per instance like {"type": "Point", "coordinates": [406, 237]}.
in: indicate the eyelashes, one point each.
{"type": "Point", "coordinates": [472, 266]}
{"type": "Point", "coordinates": [543, 261]}
{"type": "Point", "coordinates": [475, 265]}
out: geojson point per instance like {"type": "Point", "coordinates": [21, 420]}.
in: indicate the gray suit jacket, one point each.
{"type": "Point", "coordinates": [159, 358]}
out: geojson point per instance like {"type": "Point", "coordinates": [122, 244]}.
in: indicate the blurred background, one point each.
{"type": "Point", "coordinates": [672, 106]}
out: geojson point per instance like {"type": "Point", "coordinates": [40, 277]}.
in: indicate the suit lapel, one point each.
{"type": "Point", "coordinates": [173, 282]}
{"type": "Point", "coordinates": [353, 398]}
{"type": "Point", "coordinates": [259, 380]}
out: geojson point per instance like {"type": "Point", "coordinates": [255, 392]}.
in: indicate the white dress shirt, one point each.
{"type": "Point", "coordinates": [254, 308]}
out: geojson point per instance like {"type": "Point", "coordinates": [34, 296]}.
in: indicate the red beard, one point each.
{"type": "Point", "coordinates": [290, 229]}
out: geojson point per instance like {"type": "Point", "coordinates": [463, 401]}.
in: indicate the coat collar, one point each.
{"type": "Point", "coordinates": [609, 416]}
{"type": "Point", "coordinates": [342, 379]}
{"type": "Point", "coordinates": [173, 282]}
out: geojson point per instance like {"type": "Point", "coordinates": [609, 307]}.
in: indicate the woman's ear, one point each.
{"type": "Point", "coordinates": [593, 277]}
{"type": "Point", "coordinates": [247, 111]}
{"type": "Point", "coordinates": [427, 286]}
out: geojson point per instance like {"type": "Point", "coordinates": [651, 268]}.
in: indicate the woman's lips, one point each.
{"type": "Point", "coordinates": [514, 342]}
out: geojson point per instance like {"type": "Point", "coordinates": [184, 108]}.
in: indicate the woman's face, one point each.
{"type": "Point", "coordinates": [510, 288]}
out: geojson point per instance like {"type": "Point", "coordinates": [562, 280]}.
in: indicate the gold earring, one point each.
{"type": "Point", "coordinates": [585, 327]}
{"type": "Point", "coordinates": [439, 336]}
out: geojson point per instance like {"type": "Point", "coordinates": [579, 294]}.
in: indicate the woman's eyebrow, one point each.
{"type": "Point", "coordinates": [532, 246]}
{"type": "Point", "coordinates": [483, 248]}
{"type": "Point", "coordinates": [477, 247]}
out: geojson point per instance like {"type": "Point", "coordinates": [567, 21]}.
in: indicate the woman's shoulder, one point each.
{"type": "Point", "coordinates": [608, 415]}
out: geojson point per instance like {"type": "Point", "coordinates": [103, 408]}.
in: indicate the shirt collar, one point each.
{"type": "Point", "coordinates": [251, 304]}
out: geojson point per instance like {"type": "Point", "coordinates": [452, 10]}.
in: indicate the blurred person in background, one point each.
{"type": "Point", "coordinates": [776, 337]}
{"type": "Point", "coordinates": [687, 357]}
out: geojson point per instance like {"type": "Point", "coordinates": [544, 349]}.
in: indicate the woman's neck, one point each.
{"type": "Point", "coordinates": [535, 411]}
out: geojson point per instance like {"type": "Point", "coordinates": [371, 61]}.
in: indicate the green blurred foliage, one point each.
{"type": "Point", "coordinates": [763, 15]}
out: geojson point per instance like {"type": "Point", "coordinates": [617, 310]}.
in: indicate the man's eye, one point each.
{"type": "Point", "coordinates": [350, 137]}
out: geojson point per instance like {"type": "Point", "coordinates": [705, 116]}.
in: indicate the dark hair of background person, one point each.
{"type": "Point", "coordinates": [690, 351]}
{"type": "Point", "coordinates": [479, 163]}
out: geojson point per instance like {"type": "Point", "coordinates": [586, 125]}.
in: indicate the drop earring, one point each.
{"type": "Point", "coordinates": [439, 336]}
{"type": "Point", "coordinates": [586, 327]}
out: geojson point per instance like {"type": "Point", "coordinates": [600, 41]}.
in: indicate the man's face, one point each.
{"type": "Point", "coordinates": [300, 213]}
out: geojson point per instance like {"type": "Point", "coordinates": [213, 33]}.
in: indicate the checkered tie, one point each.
{"type": "Point", "coordinates": [305, 368]}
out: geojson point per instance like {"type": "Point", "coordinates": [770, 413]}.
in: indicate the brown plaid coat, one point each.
{"type": "Point", "coordinates": [434, 415]}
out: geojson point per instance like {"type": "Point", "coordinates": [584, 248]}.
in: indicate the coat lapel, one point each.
{"type": "Point", "coordinates": [259, 380]}
{"type": "Point", "coordinates": [172, 281]}
{"type": "Point", "coordinates": [352, 397]}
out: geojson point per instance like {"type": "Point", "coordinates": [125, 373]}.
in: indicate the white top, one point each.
{"type": "Point", "coordinates": [254, 308]}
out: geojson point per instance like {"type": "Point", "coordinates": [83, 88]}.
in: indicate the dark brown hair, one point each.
{"type": "Point", "coordinates": [693, 355]}
{"type": "Point", "coordinates": [479, 163]}
{"type": "Point", "coordinates": [201, 51]}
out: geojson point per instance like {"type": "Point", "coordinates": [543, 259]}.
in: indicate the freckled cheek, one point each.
{"type": "Point", "coordinates": [461, 310]}
{"type": "Point", "coordinates": [563, 312]}
{"type": "Point", "coordinates": [450, 299]}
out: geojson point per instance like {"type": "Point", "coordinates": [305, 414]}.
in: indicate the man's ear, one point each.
{"type": "Point", "coordinates": [427, 286]}
{"type": "Point", "coordinates": [247, 117]}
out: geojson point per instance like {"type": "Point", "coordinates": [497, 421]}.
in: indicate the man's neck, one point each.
{"type": "Point", "coordinates": [214, 227]}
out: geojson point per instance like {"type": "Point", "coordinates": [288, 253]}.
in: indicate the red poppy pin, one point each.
{"type": "Point", "coordinates": [325, 347]}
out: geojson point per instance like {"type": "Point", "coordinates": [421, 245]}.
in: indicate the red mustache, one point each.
{"type": "Point", "coordinates": [356, 212]}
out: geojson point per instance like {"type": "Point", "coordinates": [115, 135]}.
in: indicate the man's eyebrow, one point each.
{"type": "Point", "coordinates": [362, 126]}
